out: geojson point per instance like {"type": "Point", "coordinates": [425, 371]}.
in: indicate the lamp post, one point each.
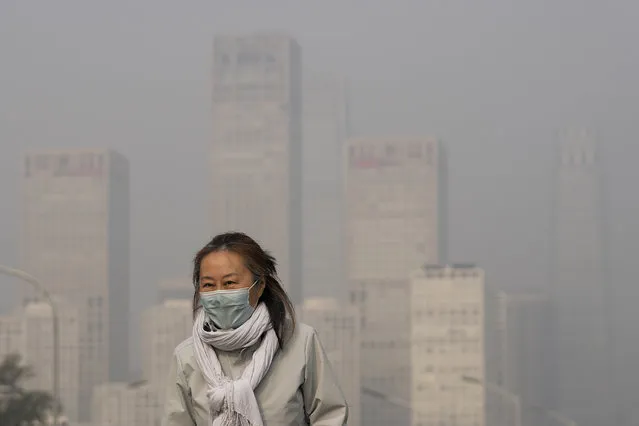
{"type": "Point", "coordinates": [515, 400]}
{"type": "Point", "coordinates": [56, 338]}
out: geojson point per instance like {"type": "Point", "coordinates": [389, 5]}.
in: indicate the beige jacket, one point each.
{"type": "Point", "coordinates": [299, 389]}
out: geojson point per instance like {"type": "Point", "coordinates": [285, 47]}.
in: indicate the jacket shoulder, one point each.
{"type": "Point", "coordinates": [302, 334]}
{"type": "Point", "coordinates": [184, 349]}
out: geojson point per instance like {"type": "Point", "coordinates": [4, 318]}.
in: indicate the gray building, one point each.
{"type": "Point", "coordinates": [75, 238]}
{"type": "Point", "coordinates": [580, 288]}
{"type": "Point", "coordinates": [395, 222]}
{"type": "Point", "coordinates": [525, 363]}
{"type": "Point", "coordinates": [256, 155]}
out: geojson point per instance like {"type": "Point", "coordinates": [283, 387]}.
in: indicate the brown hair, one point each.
{"type": "Point", "coordinates": [263, 266]}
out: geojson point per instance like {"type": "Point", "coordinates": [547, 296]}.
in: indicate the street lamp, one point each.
{"type": "Point", "coordinates": [56, 338]}
{"type": "Point", "coordinates": [515, 400]}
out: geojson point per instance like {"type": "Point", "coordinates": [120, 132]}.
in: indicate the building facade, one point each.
{"type": "Point", "coordinates": [256, 155]}
{"type": "Point", "coordinates": [75, 235]}
{"type": "Point", "coordinates": [164, 326]}
{"type": "Point", "coordinates": [580, 289]}
{"type": "Point", "coordinates": [38, 351]}
{"type": "Point", "coordinates": [126, 404]}
{"type": "Point", "coordinates": [326, 129]}
{"type": "Point", "coordinates": [337, 325]}
{"type": "Point", "coordinates": [395, 222]}
{"type": "Point", "coordinates": [524, 330]}
{"type": "Point", "coordinates": [10, 335]}
{"type": "Point", "coordinates": [449, 317]}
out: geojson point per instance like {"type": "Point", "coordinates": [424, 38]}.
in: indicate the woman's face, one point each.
{"type": "Point", "coordinates": [226, 271]}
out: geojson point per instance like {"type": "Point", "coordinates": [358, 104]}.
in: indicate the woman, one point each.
{"type": "Point", "coordinates": [248, 363]}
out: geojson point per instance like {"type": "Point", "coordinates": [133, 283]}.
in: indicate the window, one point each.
{"type": "Point", "coordinates": [389, 150]}
{"type": "Point", "coordinates": [415, 150]}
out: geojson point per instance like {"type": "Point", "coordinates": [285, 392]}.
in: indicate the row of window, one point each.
{"type": "Point", "coordinates": [393, 150]}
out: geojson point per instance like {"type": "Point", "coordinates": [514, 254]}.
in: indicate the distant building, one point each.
{"type": "Point", "coordinates": [326, 129]}
{"type": "Point", "coordinates": [338, 326]}
{"type": "Point", "coordinates": [38, 351]}
{"type": "Point", "coordinates": [382, 410]}
{"type": "Point", "coordinates": [256, 155]}
{"type": "Point", "coordinates": [125, 404]}
{"type": "Point", "coordinates": [524, 331]}
{"type": "Point", "coordinates": [580, 287]}
{"type": "Point", "coordinates": [396, 220]}
{"type": "Point", "coordinates": [75, 234]}
{"type": "Point", "coordinates": [10, 335]}
{"type": "Point", "coordinates": [179, 288]}
{"type": "Point", "coordinates": [163, 326]}
{"type": "Point", "coordinates": [450, 310]}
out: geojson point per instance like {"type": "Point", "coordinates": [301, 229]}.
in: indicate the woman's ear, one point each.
{"type": "Point", "coordinates": [261, 285]}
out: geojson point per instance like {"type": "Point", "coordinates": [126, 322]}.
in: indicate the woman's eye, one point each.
{"type": "Point", "coordinates": [229, 283]}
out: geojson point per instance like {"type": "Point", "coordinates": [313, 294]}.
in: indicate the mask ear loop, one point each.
{"type": "Point", "coordinates": [257, 280]}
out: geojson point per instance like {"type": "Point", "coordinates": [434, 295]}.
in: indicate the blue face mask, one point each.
{"type": "Point", "coordinates": [227, 309]}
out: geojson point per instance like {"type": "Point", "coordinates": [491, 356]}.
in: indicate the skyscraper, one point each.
{"type": "Point", "coordinates": [580, 288]}
{"type": "Point", "coordinates": [325, 131]}
{"type": "Point", "coordinates": [525, 361]}
{"type": "Point", "coordinates": [75, 238]}
{"type": "Point", "coordinates": [450, 330]}
{"type": "Point", "coordinates": [256, 154]}
{"type": "Point", "coordinates": [396, 222]}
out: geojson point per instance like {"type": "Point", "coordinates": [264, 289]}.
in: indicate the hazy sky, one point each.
{"type": "Point", "coordinates": [494, 79]}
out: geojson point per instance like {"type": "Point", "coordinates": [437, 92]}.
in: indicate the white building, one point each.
{"type": "Point", "coordinates": [10, 335]}
{"type": "Point", "coordinates": [448, 310]}
{"type": "Point", "coordinates": [125, 404]}
{"type": "Point", "coordinates": [338, 327]}
{"type": "Point", "coordinates": [256, 155]}
{"type": "Point", "coordinates": [163, 327]}
{"type": "Point", "coordinates": [37, 349]}
{"type": "Point", "coordinates": [396, 221]}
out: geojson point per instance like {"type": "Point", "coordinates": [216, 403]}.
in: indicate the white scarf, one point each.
{"type": "Point", "coordinates": [232, 402]}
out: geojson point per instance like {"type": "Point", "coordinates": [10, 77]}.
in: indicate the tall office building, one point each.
{"type": "Point", "coordinates": [326, 128]}
{"type": "Point", "coordinates": [338, 326]}
{"type": "Point", "coordinates": [396, 221]}
{"type": "Point", "coordinates": [580, 288]}
{"type": "Point", "coordinates": [450, 316]}
{"type": "Point", "coordinates": [75, 237]}
{"type": "Point", "coordinates": [164, 326]}
{"type": "Point", "coordinates": [37, 349]}
{"type": "Point", "coordinates": [256, 155]}
{"type": "Point", "coordinates": [524, 328]}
